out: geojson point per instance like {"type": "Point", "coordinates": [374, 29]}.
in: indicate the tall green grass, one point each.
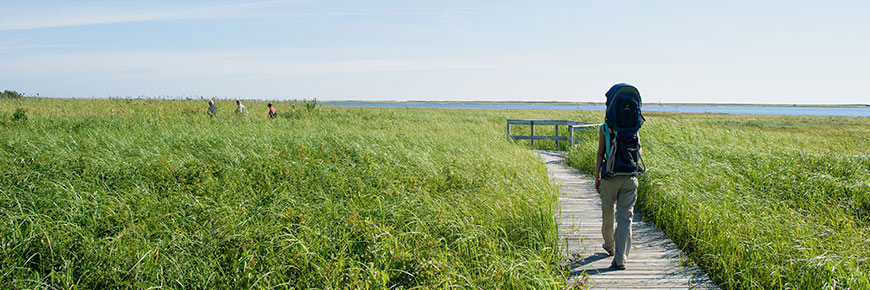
{"type": "Point", "coordinates": [761, 202]}
{"type": "Point", "coordinates": [101, 194]}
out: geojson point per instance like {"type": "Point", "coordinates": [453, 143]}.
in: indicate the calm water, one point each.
{"type": "Point", "coordinates": [801, 111]}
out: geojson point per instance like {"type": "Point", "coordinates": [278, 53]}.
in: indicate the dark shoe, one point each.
{"type": "Point", "coordinates": [610, 252]}
{"type": "Point", "coordinates": [617, 267]}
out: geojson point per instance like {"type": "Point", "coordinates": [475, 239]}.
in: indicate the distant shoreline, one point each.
{"type": "Point", "coordinates": [563, 103]}
{"type": "Point", "coordinates": [602, 104]}
{"type": "Point", "coordinates": [802, 110]}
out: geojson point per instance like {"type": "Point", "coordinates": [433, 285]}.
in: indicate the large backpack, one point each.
{"type": "Point", "coordinates": [623, 118]}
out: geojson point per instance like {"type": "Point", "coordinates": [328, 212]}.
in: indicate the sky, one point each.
{"type": "Point", "coordinates": [772, 52]}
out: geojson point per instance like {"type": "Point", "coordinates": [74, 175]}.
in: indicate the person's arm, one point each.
{"type": "Point", "coordinates": [598, 158]}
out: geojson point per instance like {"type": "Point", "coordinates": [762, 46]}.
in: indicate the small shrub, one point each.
{"type": "Point", "coordinates": [7, 94]}
{"type": "Point", "coordinates": [20, 114]}
{"type": "Point", "coordinates": [310, 105]}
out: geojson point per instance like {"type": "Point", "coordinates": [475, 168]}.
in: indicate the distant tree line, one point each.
{"type": "Point", "coordinates": [7, 94]}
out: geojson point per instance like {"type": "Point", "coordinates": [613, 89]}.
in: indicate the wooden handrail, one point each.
{"type": "Point", "coordinates": [572, 126]}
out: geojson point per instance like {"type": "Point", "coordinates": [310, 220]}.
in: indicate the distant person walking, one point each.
{"type": "Point", "coordinates": [241, 109]}
{"type": "Point", "coordinates": [212, 109]}
{"type": "Point", "coordinates": [272, 113]}
{"type": "Point", "coordinates": [619, 162]}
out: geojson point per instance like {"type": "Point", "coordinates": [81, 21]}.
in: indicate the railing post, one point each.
{"type": "Point", "coordinates": [571, 132]}
{"type": "Point", "coordinates": [557, 135]}
{"type": "Point", "coordinates": [573, 126]}
{"type": "Point", "coordinates": [532, 124]}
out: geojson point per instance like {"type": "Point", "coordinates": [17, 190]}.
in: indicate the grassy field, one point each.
{"type": "Point", "coordinates": [101, 194]}
{"type": "Point", "coordinates": [138, 194]}
{"type": "Point", "coordinates": [761, 202]}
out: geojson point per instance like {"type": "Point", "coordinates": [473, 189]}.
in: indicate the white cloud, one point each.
{"type": "Point", "coordinates": [77, 16]}
{"type": "Point", "coordinates": [217, 64]}
{"type": "Point", "coordinates": [18, 46]}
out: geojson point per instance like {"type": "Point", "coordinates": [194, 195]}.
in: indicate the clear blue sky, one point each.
{"type": "Point", "coordinates": [673, 51]}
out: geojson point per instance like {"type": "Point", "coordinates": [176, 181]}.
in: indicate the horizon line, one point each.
{"type": "Point", "coordinates": [554, 102]}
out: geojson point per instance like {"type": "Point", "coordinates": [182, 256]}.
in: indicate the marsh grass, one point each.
{"type": "Point", "coordinates": [8, 94]}
{"type": "Point", "coordinates": [101, 194]}
{"type": "Point", "coordinates": [144, 193]}
{"type": "Point", "coordinates": [761, 202]}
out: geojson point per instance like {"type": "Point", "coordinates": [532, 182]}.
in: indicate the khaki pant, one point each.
{"type": "Point", "coordinates": [619, 193]}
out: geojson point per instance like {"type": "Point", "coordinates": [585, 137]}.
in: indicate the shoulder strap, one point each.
{"type": "Point", "coordinates": [606, 132]}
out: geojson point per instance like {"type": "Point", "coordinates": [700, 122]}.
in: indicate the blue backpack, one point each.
{"type": "Point", "coordinates": [622, 120]}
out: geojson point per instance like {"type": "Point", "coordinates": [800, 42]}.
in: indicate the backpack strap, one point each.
{"type": "Point", "coordinates": [608, 160]}
{"type": "Point", "coordinates": [606, 132]}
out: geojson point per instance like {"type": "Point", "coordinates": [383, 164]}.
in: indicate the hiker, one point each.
{"type": "Point", "coordinates": [618, 163]}
{"type": "Point", "coordinates": [241, 109]}
{"type": "Point", "coordinates": [212, 109]}
{"type": "Point", "coordinates": [272, 113]}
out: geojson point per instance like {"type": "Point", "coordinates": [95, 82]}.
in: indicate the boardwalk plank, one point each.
{"type": "Point", "coordinates": [655, 262]}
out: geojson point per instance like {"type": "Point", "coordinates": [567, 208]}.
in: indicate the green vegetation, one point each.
{"type": "Point", "coordinates": [99, 194]}
{"type": "Point", "coordinates": [20, 114]}
{"type": "Point", "coordinates": [310, 105]}
{"type": "Point", "coordinates": [7, 94]}
{"type": "Point", "coordinates": [143, 193]}
{"type": "Point", "coordinates": [761, 202]}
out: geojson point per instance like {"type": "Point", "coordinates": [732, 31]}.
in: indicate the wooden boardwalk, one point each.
{"type": "Point", "coordinates": [655, 262]}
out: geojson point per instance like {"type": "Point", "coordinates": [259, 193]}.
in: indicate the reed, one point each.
{"type": "Point", "coordinates": [760, 202]}
{"type": "Point", "coordinates": [99, 194]}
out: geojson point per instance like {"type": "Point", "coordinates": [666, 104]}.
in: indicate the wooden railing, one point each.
{"type": "Point", "coordinates": [572, 127]}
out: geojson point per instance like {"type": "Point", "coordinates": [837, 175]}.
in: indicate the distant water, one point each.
{"type": "Point", "coordinates": [798, 111]}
